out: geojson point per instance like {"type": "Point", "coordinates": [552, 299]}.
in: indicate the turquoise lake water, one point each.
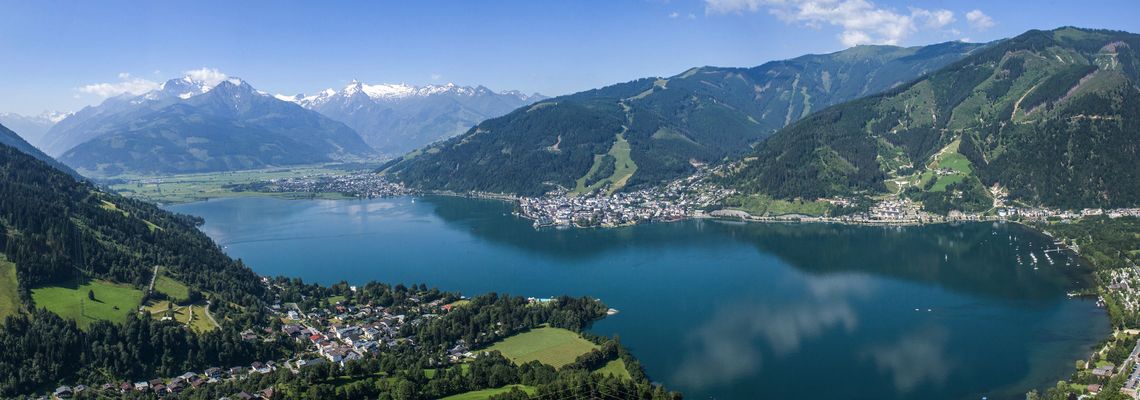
{"type": "Point", "coordinates": [719, 309]}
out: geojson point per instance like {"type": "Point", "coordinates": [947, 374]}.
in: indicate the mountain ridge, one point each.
{"type": "Point", "coordinates": [702, 115]}
{"type": "Point", "coordinates": [196, 126]}
{"type": "Point", "coordinates": [397, 118]}
{"type": "Point", "coordinates": [1045, 116]}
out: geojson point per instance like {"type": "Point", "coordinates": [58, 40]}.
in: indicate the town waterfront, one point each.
{"type": "Point", "coordinates": [721, 309]}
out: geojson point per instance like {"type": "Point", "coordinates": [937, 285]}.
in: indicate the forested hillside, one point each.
{"type": "Point", "coordinates": [57, 229]}
{"type": "Point", "coordinates": [669, 124]}
{"type": "Point", "coordinates": [1049, 116]}
{"type": "Point", "coordinates": [11, 139]}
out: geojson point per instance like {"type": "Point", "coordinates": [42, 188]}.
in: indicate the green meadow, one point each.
{"type": "Point", "coordinates": [9, 289]}
{"type": "Point", "coordinates": [112, 301]}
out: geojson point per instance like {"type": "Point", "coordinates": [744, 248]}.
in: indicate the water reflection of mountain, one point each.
{"type": "Point", "coordinates": [976, 258]}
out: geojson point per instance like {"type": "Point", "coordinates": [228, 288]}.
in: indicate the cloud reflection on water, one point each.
{"type": "Point", "coordinates": [725, 348]}
{"type": "Point", "coordinates": [916, 358]}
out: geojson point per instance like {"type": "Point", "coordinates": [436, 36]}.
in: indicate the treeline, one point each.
{"type": "Point", "coordinates": [57, 229]}
{"type": "Point", "coordinates": [1107, 243]}
{"type": "Point", "coordinates": [402, 375]}
{"type": "Point", "coordinates": [312, 295]}
{"type": "Point", "coordinates": [491, 317]}
{"type": "Point", "coordinates": [42, 349]}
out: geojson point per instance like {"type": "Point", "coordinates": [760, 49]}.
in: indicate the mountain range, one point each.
{"type": "Point", "coordinates": [1047, 117]}
{"type": "Point", "coordinates": [194, 126]}
{"type": "Point", "coordinates": [649, 130]}
{"type": "Point", "coordinates": [32, 127]}
{"type": "Point", "coordinates": [397, 118]}
{"type": "Point", "coordinates": [11, 139]}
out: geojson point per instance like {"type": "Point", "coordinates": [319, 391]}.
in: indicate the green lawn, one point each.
{"type": "Point", "coordinates": [551, 346]}
{"type": "Point", "coordinates": [9, 289]}
{"type": "Point", "coordinates": [615, 368]}
{"type": "Point", "coordinates": [173, 289]}
{"type": "Point", "coordinates": [112, 301]}
{"type": "Point", "coordinates": [485, 393]}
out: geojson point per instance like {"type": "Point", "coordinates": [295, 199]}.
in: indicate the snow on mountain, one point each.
{"type": "Point", "coordinates": [250, 128]}
{"type": "Point", "coordinates": [397, 91]}
{"type": "Point", "coordinates": [395, 118]}
{"type": "Point", "coordinates": [32, 127]}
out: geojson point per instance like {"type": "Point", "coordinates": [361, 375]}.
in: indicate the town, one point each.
{"type": "Point", "coordinates": [676, 200]}
{"type": "Point", "coordinates": [336, 332]}
{"type": "Point", "coordinates": [360, 184]}
{"type": "Point", "coordinates": [697, 196]}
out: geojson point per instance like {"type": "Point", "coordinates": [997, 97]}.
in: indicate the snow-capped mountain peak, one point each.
{"type": "Point", "coordinates": [189, 86]}
{"type": "Point", "coordinates": [391, 92]}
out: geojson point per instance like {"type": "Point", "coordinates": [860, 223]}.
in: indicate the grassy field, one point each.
{"type": "Point", "coordinates": [173, 289]}
{"type": "Point", "coordinates": [193, 315]}
{"type": "Point", "coordinates": [766, 206]}
{"type": "Point", "coordinates": [112, 301]}
{"type": "Point", "coordinates": [200, 322]}
{"type": "Point", "coordinates": [615, 368]}
{"type": "Point", "coordinates": [624, 167]}
{"type": "Point", "coordinates": [948, 158]}
{"type": "Point", "coordinates": [551, 346]}
{"type": "Point", "coordinates": [485, 393]}
{"type": "Point", "coordinates": [9, 289]}
{"type": "Point", "coordinates": [195, 187]}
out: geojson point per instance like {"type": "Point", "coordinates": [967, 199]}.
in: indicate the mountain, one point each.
{"type": "Point", "coordinates": [1051, 117]}
{"type": "Point", "coordinates": [32, 128]}
{"type": "Point", "coordinates": [649, 130]}
{"type": "Point", "coordinates": [11, 139]}
{"type": "Point", "coordinates": [56, 227]}
{"type": "Point", "coordinates": [194, 126]}
{"type": "Point", "coordinates": [395, 119]}
{"type": "Point", "coordinates": [61, 233]}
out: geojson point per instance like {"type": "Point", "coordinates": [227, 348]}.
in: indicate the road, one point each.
{"type": "Point", "coordinates": [211, 316]}
{"type": "Point", "coordinates": [150, 288]}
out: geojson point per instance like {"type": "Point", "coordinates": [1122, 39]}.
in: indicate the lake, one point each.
{"type": "Point", "coordinates": [719, 309]}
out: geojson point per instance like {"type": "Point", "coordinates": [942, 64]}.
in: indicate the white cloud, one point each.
{"type": "Point", "coordinates": [674, 14]}
{"type": "Point", "coordinates": [861, 21]}
{"type": "Point", "coordinates": [935, 19]}
{"type": "Point", "coordinates": [436, 77]}
{"type": "Point", "coordinates": [210, 76]}
{"type": "Point", "coordinates": [979, 20]}
{"type": "Point", "coordinates": [126, 84]}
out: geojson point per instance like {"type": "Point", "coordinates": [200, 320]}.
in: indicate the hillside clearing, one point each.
{"type": "Point", "coordinates": [623, 168]}
{"type": "Point", "coordinates": [173, 289]}
{"type": "Point", "coordinates": [9, 289]}
{"type": "Point", "coordinates": [112, 301]}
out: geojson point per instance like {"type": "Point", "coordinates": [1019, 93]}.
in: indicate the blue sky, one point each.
{"type": "Point", "coordinates": [63, 55]}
